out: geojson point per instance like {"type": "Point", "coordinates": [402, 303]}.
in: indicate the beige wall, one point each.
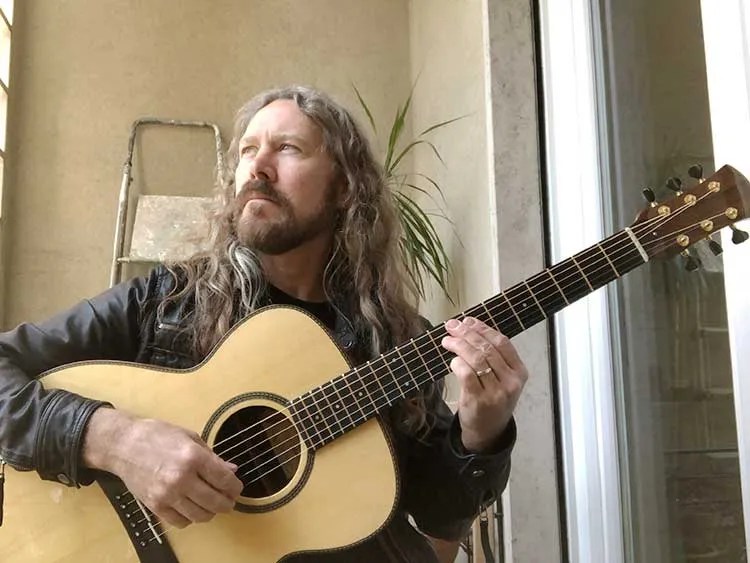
{"type": "Point", "coordinates": [450, 83]}
{"type": "Point", "coordinates": [476, 58]}
{"type": "Point", "coordinates": [85, 69]}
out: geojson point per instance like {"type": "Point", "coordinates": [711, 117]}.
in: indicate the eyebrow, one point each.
{"type": "Point", "coordinates": [275, 138]}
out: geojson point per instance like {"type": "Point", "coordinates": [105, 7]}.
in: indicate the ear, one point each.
{"type": "Point", "coordinates": [341, 193]}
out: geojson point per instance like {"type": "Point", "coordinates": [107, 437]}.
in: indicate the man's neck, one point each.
{"type": "Point", "coordinates": [299, 272]}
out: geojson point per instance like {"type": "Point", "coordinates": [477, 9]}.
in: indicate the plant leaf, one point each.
{"type": "Point", "coordinates": [403, 153]}
{"type": "Point", "coordinates": [367, 109]}
{"type": "Point", "coordinates": [396, 129]}
{"type": "Point", "coordinates": [442, 124]}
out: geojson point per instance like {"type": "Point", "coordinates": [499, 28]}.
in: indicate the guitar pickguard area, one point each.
{"type": "Point", "coordinates": [256, 432]}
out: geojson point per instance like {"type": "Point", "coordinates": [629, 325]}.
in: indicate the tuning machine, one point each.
{"type": "Point", "coordinates": [691, 262]}
{"type": "Point", "coordinates": [675, 184]}
{"type": "Point", "coordinates": [649, 196]}
{"type": "Point", "coordinates": [715, 247]}
{"type": "Point", "coordinates": [696, 172]}
{"type": "Point", "coordinates": [738, 235]}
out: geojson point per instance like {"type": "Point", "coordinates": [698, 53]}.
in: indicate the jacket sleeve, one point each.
{"type": "Point", "coordinates": [444, 486]}
{"type": "Point", "coordinates": [42, 429]}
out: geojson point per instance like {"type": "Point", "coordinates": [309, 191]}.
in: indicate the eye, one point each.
{"type": "Point", "coordinates": [286, 147]}
{"type": "Point", "coordinates": [248, 150]}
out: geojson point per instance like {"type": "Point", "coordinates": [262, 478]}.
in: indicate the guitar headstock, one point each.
{"type": "Point", "coordinates": [670, 227]}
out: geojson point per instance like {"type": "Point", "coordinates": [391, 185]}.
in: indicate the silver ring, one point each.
{"type": "Point", "coordinates": [484, 371]}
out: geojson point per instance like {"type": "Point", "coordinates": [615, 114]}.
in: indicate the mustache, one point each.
{"type": "Point", "coordinates": [258, 187]}
{"type": "Point", "coordinates": [254, 188]}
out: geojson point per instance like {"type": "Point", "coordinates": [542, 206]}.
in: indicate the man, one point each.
{"type": "Point", "coordinates": [305, 220]}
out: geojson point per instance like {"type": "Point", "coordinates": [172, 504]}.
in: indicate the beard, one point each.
{"type": "Point", "coordinates": [284, 232]}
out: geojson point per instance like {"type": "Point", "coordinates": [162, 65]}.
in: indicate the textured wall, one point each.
{"type": "Point", "coordinates": [493, 194]}
{"type": "Point", "coordinates": [85, 69]}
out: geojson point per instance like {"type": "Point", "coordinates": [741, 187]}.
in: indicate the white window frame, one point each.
{"type": "Point", "coordinates": [726, 33]}
{"type": "Point", "coordinates": [582, 331]}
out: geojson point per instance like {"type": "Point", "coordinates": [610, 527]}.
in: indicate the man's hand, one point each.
{"type": "Point", "coordinates": [169, 469]}
{"type": "Point", "coordinates": [491, 376]}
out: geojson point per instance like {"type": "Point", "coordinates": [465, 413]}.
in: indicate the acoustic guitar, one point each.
{"type": "Point", "coordinates": [301, 423]}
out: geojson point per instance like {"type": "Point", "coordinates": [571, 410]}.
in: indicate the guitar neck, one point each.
{"type": "Point", "coordinates": [329, 411]}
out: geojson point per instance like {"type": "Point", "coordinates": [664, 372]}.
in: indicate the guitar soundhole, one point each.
{"type": "Point", "coordinates": [265, 446]}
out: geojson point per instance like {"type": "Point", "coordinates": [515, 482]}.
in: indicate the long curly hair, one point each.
{"type": "Point", "coordinates": [365, 270]}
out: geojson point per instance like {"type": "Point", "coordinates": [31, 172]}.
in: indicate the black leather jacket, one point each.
{"type": "Point", "coordinates": [443, 487]}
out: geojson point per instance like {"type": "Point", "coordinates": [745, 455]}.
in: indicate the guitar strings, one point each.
{"type": "Point", "coordinates": [542, 299]}
{"type": "Point", "coordinates": [333, 416]}
{"type": "Point", "coordinates": [278, 455]}
{"type": "Point", "coordinates": [654, 244]}
{"type": "Point", "coordinates": [640, 228]}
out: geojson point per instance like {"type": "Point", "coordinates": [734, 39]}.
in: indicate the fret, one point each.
{"type": "Point", "coordinates": [302, 420]}
{"type": "Point", "coordinates": [625, 251]}
{"type": "Point", "coordinates": [436, 356]}
{"type": "Point", "coordinates": [597, 269]}
{"type": "Point", "coordinates": [608, 260]}
{"type": "Point", "coordinates": [350, 399]}
{"type": "Point", "coordinates": [392, 392]}
{"type": "Point", "coordinates": [531, 292]}
{"type": "Point", "coordinates": [325, 404]}
{"type": "Point", "coordinates": [571, 280]}
{"type": "Point", "coordinates": [518, 318]}
{"type": "Point", "coordinates": [522, 298]}
{"type": "Point", "coordinates": [421, 358]}
{"type": "Point", "coordinates": [557, 285]}
{"type": "Point", "coordinates": [344, 403]}
{"type": "Point", "coordinates": [373, 387]}
{"type": "Point", "coordinates": [387, 361]}
{"type": "Point", "coordinates": [359, 392]}
{"type": "Point", "coordinates": [573, 259]}
{"type": "Point", "coordinates": [490, 319]}
{"type": "Point", "coordinates": [322, 431]}
{"type": "Point", "coordinates": [410, 384]}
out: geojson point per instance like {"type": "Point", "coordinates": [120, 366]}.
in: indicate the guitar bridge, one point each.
{"type": "Point", "coordinates": [144, 530]}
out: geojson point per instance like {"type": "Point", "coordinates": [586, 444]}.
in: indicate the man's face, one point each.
{"type": "Point", "coordinates": [284, 182]}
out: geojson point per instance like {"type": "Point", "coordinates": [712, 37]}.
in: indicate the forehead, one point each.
{"type": "Point", "coordinates": [282, 117]}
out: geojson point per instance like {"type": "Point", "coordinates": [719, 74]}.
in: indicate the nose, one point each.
{"type": "Point", "coordinates": [262, 166]}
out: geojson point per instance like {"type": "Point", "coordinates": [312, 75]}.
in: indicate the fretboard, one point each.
{"type": "Point", "coordinates": [327, 412]}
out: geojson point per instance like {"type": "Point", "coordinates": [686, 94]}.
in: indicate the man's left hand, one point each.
{"type": "Point", "coordinates": [491, 376]}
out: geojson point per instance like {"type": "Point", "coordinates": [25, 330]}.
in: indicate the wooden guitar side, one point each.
{"type": "Point", "coordinates": [349, 494]}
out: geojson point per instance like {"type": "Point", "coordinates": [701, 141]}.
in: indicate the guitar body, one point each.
{"type": "Point", "coordinates": [335, 496]}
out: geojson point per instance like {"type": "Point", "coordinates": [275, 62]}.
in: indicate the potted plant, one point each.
{"type": "Point", "coordinates": [423, 252]}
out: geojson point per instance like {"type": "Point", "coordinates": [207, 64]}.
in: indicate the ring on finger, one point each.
{"type": "Point", "coordinates": [484, 371]}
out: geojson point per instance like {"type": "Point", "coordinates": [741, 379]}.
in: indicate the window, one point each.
{"type": "Point", "coordinates": [6, 26]}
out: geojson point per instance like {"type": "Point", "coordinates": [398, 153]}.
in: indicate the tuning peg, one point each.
{"type": "Point", "coordinates": [691, 262]}
{"type": "Point", "coordinates": [715, 247]}
{"type": "Point", "coordinates": [696, 171]}
{"type": "Point", "coordinates": [648, 193]}
{"type": "Point", "coordinates": [675, 184]}
{"type": "Point", "coordinates": [738, 235]}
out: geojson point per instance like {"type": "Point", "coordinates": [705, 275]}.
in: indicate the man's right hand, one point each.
{"type": "Point", "coordinates": [170, 469]}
